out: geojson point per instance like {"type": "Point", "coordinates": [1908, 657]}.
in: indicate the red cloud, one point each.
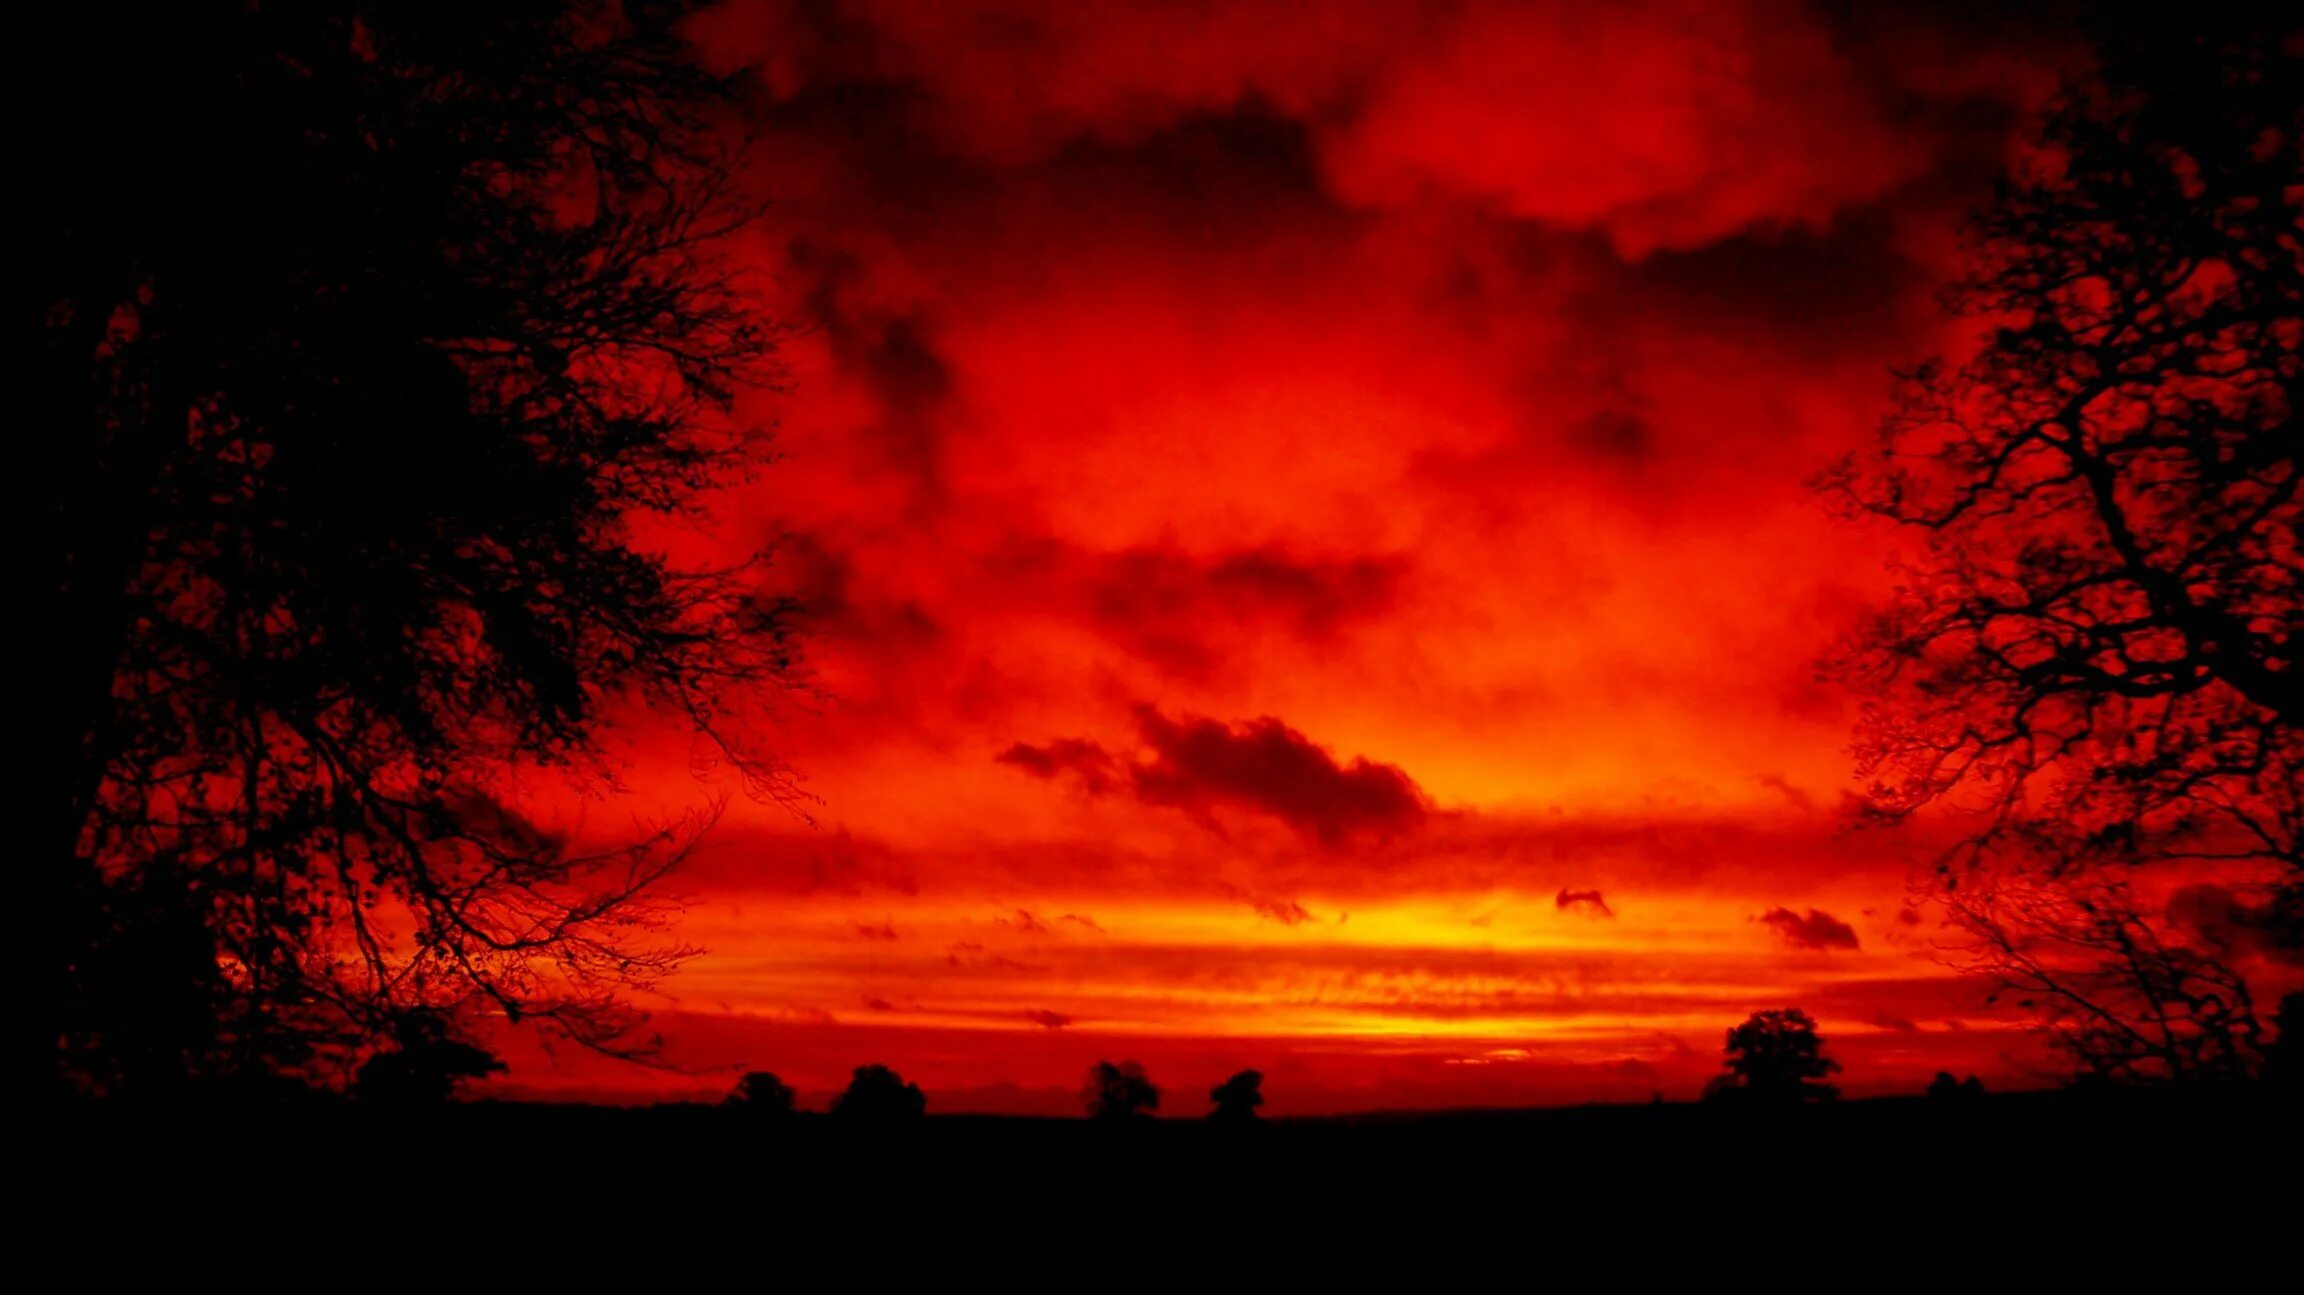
{"type": "Point", "coordinates": [1691, 122]}
{"type": "Point", "coordinates": [1386, 367]}
{"type": "Point", "coordinates": [1181, 611]}
{"type": "Point", "coordinates": [1662, 123]}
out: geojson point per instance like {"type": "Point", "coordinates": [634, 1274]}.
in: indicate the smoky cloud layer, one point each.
{"type": "Point", "coordinates": [1277, 475]}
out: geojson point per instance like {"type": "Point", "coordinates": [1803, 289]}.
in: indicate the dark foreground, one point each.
{"type": "Point", "coordinates": [2105, 1176]}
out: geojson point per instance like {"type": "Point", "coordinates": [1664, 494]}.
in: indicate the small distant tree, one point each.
{"type": "Point", "coordinates": [1119, 1092]}
{"type": "Point", "coordinates": [1237, 1098]}
{"type": "Point", "coordinates": [762, 1094]}
{"type": "Point", "coordinates": [1945, 1088]}
{"type": "Point", "coordinates": [878, 1095]}
{"type": "Point", "coordinates": [426, 1067]}
{"type": "Point", "coordinates": [1778, 1057]}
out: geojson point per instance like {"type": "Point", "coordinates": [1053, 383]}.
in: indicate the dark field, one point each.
{"type": "Point", "coordinates": [2166, 1164]}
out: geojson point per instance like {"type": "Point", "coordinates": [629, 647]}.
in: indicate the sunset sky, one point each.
{"type": "Point", "coordinates": [1302, 517]}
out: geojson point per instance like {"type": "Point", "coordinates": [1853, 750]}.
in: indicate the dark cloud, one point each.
{"type": "Point", "coordinates": [905, 369]}
{"type": "Point", "coordinates": [1793, 796]}
{"type": "Point", "coordinates": [1048, 1020]}
{"type": "Point", "coordinates": [1207, 182]}
{"type": "Point", "coordinates": [1263, 765]}
{"type": "Point", "coordinates": [1287, 912]}
{"type": "Point", "coordinates": [838, 862]}
{"type": "Point", "coordinates": [1588, 901]}
{"type": "Point", "coordinates": [879, 1005]}
{"type": "Point", "coordinates": [1314, 596]}
{"type": "Point", "coordinates": [1083, 920]}
{"type": "Point", "coordinates": [1813, 929]}
{"type": "Point", "coordinates": [1200, 765]}
{"type": "Point", "coordinates": [913, 382]}
{"type": "Point", "coordinates": [1689, 124]}
{"type": "Point", "coordinates": [1620, 434]}
{"type": "Point", "coordinates": [1085, 760]}
{"type": "Point", "coordinates": [875, 930]}
{"type": "Point", "coordinates": [488, 817]}
{"type": "Point", "coordinates": [1841, 287]}
{"type": "Point", "coordinates": [1182, 611]}
{"type": "Point", "coordinates": [890, 352]}
{"type": "Point", "coordinates": [2228, 920]}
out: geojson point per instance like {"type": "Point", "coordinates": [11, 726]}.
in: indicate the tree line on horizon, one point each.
{"type": "Point", "coordinates": [1114, 1091]}
{"type": "Point", "coordinates": [1773, 1059]}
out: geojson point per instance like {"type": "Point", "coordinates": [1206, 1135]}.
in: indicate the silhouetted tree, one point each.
{"type": "Point", "coordinates": [1945, 1088]}
{"type": "Point", "coordinates": [2128, 993]}
{"type": "Point", "coordinates": [1119, 1092]}
{"type": "Point", "coordinates": [147, 993]}
{"type": "Point", "coordinates": [878, 1095]}
{"type": "Point", "coordinates": [762, 1094]}
{"type": "Point", "coordinates": [2284, 1059]}
{"type": "Point", "coordinates": [1776, 1057]}
{"type": "Point", "coordinates": [1237, 1098]}
{"type": "Point", "coordinates": [425, 1066]}
{"type": "Point", "coordinates": [369, 340]}
{"type": "Point", "coordinates": [2097, 650]}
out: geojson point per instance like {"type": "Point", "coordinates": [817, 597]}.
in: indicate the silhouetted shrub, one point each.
{"type": "Point", "coordinates": [1237, 1098]}
{"type": "Point", "coordinates": [1775, 1057]}
{"type": "Point", "coordinates": [878, 1095]}
{"type": "Point", "coordinates": [762, 1094]}
{"type": "Point", "coordinates": [426, 1067]}
{"type": "Point", "coordinates": [1945, 1088]}
{"type": "Point", "coordinates": [1119, 1092]}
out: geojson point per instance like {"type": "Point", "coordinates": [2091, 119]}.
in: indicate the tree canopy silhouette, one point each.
{"type": "Point", "coordinates": [425, 1066]}
{"type": "Point", "coordinates": [2284, 1058]}
{"type": "Point", "coordinates": [762, 1094]}
{"type": "Point", "coordinates": [1119, 1092]}
{"type": "Point", "coordinates": [2096, 653]}
{"type": "Point", "coordinates": [373, 343]}
{"type": "Point", "coordinates": [1237, 1099]}
{"type": "Point", "coordinates": [1946, 1087]}
{"type": "Point", "coordinates": [1776, 1057]}
{"type": "Point", "coordinates": [878, 1095]}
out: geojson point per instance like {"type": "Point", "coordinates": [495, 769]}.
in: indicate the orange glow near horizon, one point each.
{"type": "Point", "coordinates": [1307, 554]}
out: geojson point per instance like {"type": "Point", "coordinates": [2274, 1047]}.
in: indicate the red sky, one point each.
{"type": "Point", "coordinates": [1301, 515]}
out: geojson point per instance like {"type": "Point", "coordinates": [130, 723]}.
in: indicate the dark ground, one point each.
{"type": "Point", "coordinates": [2058, 1175]}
